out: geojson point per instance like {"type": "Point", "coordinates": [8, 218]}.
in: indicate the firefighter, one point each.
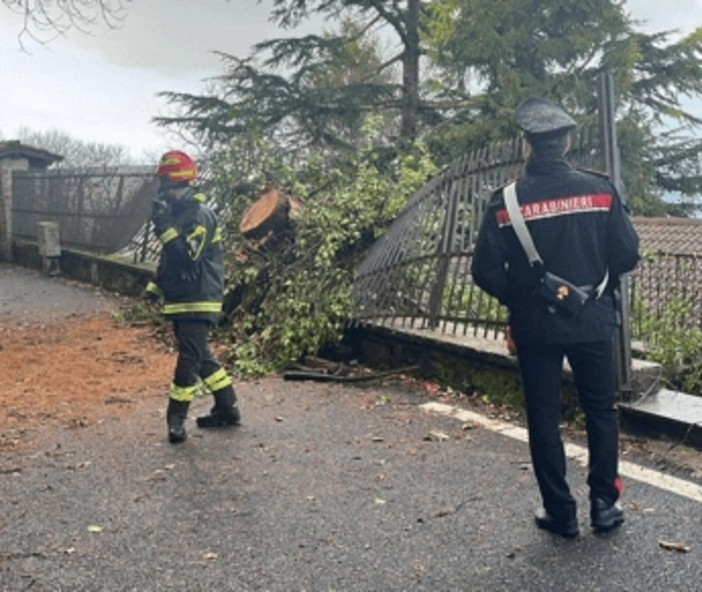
{"type": "Point", "coordinates": [189, 279]}
{"type": "Point", "coordinates": [583, 234]}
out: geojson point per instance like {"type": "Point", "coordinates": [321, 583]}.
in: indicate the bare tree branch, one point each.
{"type": "Point", "coordinates": [44, 20]}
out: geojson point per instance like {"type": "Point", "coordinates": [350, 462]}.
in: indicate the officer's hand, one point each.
{"type": "Point", "coordinates": [509, 341]}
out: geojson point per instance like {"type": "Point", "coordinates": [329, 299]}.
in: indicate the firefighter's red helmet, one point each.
{"type": "Point", "coordinates": [177, 167]}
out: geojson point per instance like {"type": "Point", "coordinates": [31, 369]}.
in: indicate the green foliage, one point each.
{"type": "Point", "coordinates": [138, 312]}
{"type": "Point", "coordinates": [291, 295]}
{"type": "Point", "coordinates": [480, 58]}
{"type": "Point", "coordinates": [677, 345]}
{"type": "Point", "coordinates": [309, 91]}
{"type": "Point", "coordinates": [639, 172]}
{"type": "Point", "coordinates": [504, 52]}
{"type": "Point", "coordinates": [495, 54]}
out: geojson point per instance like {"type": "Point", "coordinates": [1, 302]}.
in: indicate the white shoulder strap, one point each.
{"type": "Point", "coordinates": [520, 228]}
{"type": "Point", "coordinates": [522, 232]}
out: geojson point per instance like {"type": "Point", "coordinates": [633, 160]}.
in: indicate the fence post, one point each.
{"type": "Point", "coordinates": [447, 239]}
{"type": "Point", "coordinates": [7, 166]}
{"type": "Point", "coordinates": [49, 247]}
{"type": "Point", "coordinates": [145, 241]}
{"type": "Point", "coordinates": [611, 164]}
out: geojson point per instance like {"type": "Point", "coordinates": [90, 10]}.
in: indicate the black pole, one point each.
{"type": "Point", "coordinates": [611, 164]}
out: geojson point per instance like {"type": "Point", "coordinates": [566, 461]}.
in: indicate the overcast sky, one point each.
{"type": "Point", "coordinates": [102, 87]}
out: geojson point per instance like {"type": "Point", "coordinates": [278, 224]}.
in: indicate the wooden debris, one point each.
{"type": "Point", "coordinates": [325, 377]}
{"type": "Point", "coordinates": [671, 546]}
{"type": "Point", "coordinates": [268, 214]}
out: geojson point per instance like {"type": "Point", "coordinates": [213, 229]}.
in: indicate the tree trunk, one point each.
{"type": "Point", "coordinates": [268, 214]}
{"type": "Point", "coordinates": [410, 72]}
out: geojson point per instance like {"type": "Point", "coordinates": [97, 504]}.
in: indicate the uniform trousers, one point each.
{"type": "Point", "coordinates": [195, 358]}
{"type": "Point", "coordinates": [593, 371]}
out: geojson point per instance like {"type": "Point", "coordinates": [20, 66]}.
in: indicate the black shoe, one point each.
{"type": "Point", "coordinates": [567, 529]}
{"type": "Point", "coordinates": [176, 415]}
{"type": "Point", "coordinates": [605, 516]}
{"type": "Point", "coordinates": [220, 418]}
{"type": "Point", "coordinates": [177, 434]}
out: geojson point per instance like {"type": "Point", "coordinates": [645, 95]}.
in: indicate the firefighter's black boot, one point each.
{"type": "Point", "coordinates": [176, 414]}
{"type": "Point", "coordinates": [224, 413]}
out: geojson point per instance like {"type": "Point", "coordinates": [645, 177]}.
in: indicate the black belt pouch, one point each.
{"type": "Point", "coordinates": [565, 296]}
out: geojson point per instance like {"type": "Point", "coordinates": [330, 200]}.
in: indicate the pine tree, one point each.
{"type": "Point", "coordinates": [478, 59]}
{"type": "Point", "coordinates": [495, 54]}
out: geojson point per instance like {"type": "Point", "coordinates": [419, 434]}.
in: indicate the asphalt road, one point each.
{"type": "Point", "coordinates": [28, 296]}
{"type": "Point", "coordinates": [322, 488]}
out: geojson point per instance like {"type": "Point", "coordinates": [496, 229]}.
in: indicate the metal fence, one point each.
{"type": "Point", "coordinates": [659, 282]}
{"type": "Point", "coordinates": [418, 274]}
{"type": "Point", "coordinates": [97, 210]}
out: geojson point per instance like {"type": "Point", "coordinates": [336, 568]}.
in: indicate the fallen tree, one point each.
{"type": "Point", "coordinates": [290, 269]}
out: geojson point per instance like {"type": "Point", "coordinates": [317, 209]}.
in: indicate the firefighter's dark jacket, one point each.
{"type": "Point", "coordinates": [189, 276]}
{"type": "Point", "coordinates": [580, 229]}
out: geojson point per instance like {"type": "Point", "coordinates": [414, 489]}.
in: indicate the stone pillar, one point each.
{"type": "Point", "coordinates": [8, 165]}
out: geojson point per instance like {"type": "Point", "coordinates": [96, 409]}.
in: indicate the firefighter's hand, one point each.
{"type": "Point", "coordinates": [151, 294]}
{"type": "Point", "coordinates": [161, 216]}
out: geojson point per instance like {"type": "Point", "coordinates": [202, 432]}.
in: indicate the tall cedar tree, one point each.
{"type": "Point", "coordinates": [482, 58]}
{"type": "Point", "coordinates": [309, 102]}
{"type": "Point", "coordinates": [498, 53]}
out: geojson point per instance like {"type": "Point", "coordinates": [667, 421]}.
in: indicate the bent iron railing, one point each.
{"type": "Point", "coordinates": [418, 274]}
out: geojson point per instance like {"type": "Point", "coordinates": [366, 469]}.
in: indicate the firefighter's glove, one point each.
{"type": "Point", "coordinates": [151, 294]}
{"type": "Point", "coordinates": [190, 274]}
{"type": "Point", "coordinates": [161, 216]}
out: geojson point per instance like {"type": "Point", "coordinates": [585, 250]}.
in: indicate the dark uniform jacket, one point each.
{"type": "Point", "coordinates": [581, 231]}
{"type": "Point", "coordinates": [190, 272]}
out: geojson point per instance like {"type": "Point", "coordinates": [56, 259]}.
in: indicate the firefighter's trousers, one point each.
{"type": "Point", "coordinates": [195, 361]}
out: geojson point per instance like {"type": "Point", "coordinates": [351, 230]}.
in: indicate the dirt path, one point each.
{"type": "Point", "coordinates": [65, 359]}
{"type": "Point", "coordinates": [76, 373]}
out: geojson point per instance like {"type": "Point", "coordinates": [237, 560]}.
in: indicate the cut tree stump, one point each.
{"type": "Point", "coordinates": [267, 214]}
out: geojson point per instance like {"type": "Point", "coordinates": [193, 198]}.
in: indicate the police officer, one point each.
{"type": "Point", "coordinates": [583, 235]}
{"type": "Point", "coordinates": [189, 278]}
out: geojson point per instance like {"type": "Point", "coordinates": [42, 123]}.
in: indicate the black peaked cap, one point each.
{"type": "Point", "coordinates": [535, 115]}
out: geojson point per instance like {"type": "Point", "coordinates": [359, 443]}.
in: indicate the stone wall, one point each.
{"type": "Point", "coordinates": [108, 274]}
{"type": "Point", "coordinates": [7, 166]}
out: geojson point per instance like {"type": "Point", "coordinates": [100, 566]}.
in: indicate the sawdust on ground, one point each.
{"type": "Point", "coordinates": [71, 374]}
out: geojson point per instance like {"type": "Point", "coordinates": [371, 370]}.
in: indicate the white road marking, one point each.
{"type": "Point", "coordinates": [578, 453]}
